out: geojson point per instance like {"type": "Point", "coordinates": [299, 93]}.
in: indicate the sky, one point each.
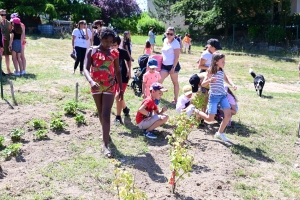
{"type": "Point", "coordinates": [142, 4]}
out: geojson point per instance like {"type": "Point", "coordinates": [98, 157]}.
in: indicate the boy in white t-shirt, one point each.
{"type": "Point", "coordinates": [184, 101]}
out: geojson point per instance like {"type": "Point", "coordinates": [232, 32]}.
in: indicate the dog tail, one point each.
{"type": "Point", "coordinates": [252, 73]}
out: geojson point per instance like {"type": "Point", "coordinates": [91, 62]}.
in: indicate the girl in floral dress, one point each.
{"type": "Point", "coordinates": [101, 69]}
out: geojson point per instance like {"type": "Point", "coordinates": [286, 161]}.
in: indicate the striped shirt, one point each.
{"type": "Point", "coordinates": [217, 88]}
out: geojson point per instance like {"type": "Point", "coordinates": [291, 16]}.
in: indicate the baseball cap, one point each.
{"type": "Point", "coordinates": [152, 63]}
{"type": "Point", "coordinates": [187, 90]}
{"type": "Point", "coordinates": [16, 20]}
{"type": "Point", "coordinates": [14, 15]}
{"type": "Point", "coordinates": [194, 81]}
{"type": "Point", "coordinates": [157, 86]}
{"type": "Point", "coordinates": [215, 43]}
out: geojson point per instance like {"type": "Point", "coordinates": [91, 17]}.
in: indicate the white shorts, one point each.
{"type": "Point", "coordinates": [186, 45]}
{"type": "Point", "coordinates": [145, 124]}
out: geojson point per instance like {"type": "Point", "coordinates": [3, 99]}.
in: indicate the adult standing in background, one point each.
{"type": "Point", "coordinates": [170, 65]}
{"type": "Point", "coordinates": [79, 43]}
{"type": "Point", "coordinates": [151, 38]}
{"type": "Point", "coordinates": [127, 43]}
{"type": "Point", "coordinates": [98, 24]}
{"type": "Point", "coordinates": [1, 50]}
{"type": "Point", "coordinates": [212, 46]}
{"type": "Point", "coordinates": [12, 16]}
{"type": "Point", "coordinates": [5, 28]}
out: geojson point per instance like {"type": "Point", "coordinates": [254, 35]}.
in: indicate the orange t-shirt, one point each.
{"type": "Point", "coordinates": [187, 39]}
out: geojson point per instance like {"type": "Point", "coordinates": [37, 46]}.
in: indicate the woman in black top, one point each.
{"type": "Point", "coordinates": [97, 28]}
{"type": "Point", "coordinates": [127, 43]}
{"type": "Point", "coordinates": [1, 49]}
{"type": "Point", "coordinates": [15, 46]}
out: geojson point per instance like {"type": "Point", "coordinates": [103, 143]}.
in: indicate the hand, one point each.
{"type": "Point", "coordinates": [144, 96]}
{"type": "Point", "coordinates": [4, 38]}
{"type": "Point", "coordinates": [9, 48]}
{"type": "Point", "coordinates": [120, 96]}
{"type": "Point", "coordinates": [172, 70]}
{"type": "Point", "coordinates": [128, 73]}
{"type": "Point", "coordinates": [94, 85]}
{"type": "Point", "coordinates": [164, 109]}
{"type": "Point", "coordinates": [234, 87]}
{"type": "Point", "coordinates": [213, 79]}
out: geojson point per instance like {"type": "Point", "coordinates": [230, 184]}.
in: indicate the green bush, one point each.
{"type": "Point", "coordinates": [146, 22]}
{"type": "Point", "coordinates": [275, 34]}
{"type": "Point", "coordinates": [16, 134]}
{"type": "Point", "coordinates": [126, 24]}
{"type": "Point", "coordinates": [1, 141]}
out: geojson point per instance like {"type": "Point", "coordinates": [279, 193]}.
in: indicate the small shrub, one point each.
{"type": "Point", "coordinates": [11, 150]}
{"type": "Point", "coordinates": [80, 119]}
{"type": "Point", "coordinates": [57, 124]}
{"type": "Point", "coordinates": [146, 22]}
{"type": "Point", "coordinates": [1, 141]}
{"type": "Point", "coordinates": [16, 134]}
{"type": "Point", "coordinates": [71, 108]}
{"type": "Point", "coordinates": [38, 124]}
{"type": "Point", "coordinates": [41, 134]}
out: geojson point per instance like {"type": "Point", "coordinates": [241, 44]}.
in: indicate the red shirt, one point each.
{"type": "Point", "coordinates": [150, 107]}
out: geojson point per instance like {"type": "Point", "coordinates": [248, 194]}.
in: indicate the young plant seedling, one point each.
{"type": "Point", "coordinates": [11, 150]}
{"type": "Point", "coordinates": [80, 119]}
{"type": "Point", "coordinates": [1, 141]}
{"type": "Point", "coordinates": [16, 134]}
{"type": "Point", "coordinates": [41, 134]}
{"type": "Point", "coordinates": [38, 124]}
{"type": "Point", "coordinates": [71, 108]}
{"type": "Point", "coordinates": [56, 122]}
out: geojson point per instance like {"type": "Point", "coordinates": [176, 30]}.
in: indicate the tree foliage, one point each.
{"type": "Point", "coordinates": [116, 8]}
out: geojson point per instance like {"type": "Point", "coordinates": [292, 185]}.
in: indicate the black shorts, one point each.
{"type": "Point", "coordinates": [168, 68]}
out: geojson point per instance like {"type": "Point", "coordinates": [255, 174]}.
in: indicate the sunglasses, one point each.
{"type": "Point", "coordinates": [170, 34]}
{"type": "Point", "coordinates": [3, 15]}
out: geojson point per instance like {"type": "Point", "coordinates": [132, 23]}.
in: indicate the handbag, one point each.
{"type": "Point", "coordinates": [74, 54]}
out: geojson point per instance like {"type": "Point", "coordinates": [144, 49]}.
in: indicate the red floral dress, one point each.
{"type": "Point", "coordinates": [103, 72]}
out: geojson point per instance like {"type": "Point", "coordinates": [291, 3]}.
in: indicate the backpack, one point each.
{"type": "Point", "coordinates": [143, 60]}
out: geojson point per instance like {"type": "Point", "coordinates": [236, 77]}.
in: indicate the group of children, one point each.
{"type": "Point", "coordinates": [210, 82]}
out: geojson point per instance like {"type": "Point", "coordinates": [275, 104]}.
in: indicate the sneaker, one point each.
{"type": "Point", "coordinates": [16, 74]}
{"type": "Point", "coordinates": [3, 74]}
{"type": "Point", "coordinates": [153, 131]}
{"type": "Point", "coordinates": [118, 121]}
{"type": "Point", "coordinates": [23, 72]}
{"type": "Point", "coordinates": [221, 136]}
{"type": "Point", "coordinates": [150, 135]}
{"type": "Point", "coordinates": [126, 111]}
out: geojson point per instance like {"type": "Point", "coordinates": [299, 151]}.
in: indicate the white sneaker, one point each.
{"type": "Point", "coordinates": [16, 73]}
{"type": "Point", "coordinates": [221, 136]}
{"type": "Point", "coordinates": [23, 72]}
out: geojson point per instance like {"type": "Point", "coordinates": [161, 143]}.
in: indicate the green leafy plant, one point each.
{"type": "Point", "coordinates": [38, 124]}
{"type": "Point", "coordinates": [199, 100]}
{"type": "Point", "coordinates": [41, 134]}
{"type": "Point", "coordinates": [16, 134]}
{"type": "Point", "coordinates": [11, 150]}
{"type": "Point", "coordinates": [1, 141]}
{"type": "Point", "coordinates": [56, 122]}
{"type": "Point", "coordinates": [125, 185]}
{"type": "Point", "coordinates": [71, 108]}
{"type": "Point", "coordinates": [80, 119]}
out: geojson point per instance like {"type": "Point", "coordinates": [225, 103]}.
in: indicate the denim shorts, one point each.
{"type": "Point", "coordinates": [213, 102]}
{"type": "Point", "coordinates": [168, 68]}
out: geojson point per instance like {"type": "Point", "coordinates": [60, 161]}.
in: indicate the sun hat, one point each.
{"type": "Point", "coordinates": [194, 81]}
{"type": "Point", "coordinates": [14, 15]}
{"type": "Point", "coordinates": [16, 20]}
{"type": "Point", "coordinates": [157, 86]}
{"type": "Point", "coordinates": [152, 63]}
{"type": "Point", "coordinates": [215, 43]}
{"type": "Point", "coordinates": [187, 90]}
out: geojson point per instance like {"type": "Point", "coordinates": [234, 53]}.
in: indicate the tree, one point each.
{"type": "Point", "coordinates": [116, 8]}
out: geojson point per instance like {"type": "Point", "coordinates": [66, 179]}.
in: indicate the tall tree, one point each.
{"type": "Point", "coordinates": [116, 8]}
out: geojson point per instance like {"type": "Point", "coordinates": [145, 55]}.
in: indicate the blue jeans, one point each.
{"type": "Point", "coordinates": [213, 102]}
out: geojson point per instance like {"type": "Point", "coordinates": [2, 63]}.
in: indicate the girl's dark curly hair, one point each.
{"type": "Point", "coordinates": [107, 32]}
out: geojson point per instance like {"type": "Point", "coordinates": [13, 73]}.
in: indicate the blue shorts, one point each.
{"type": "Point", "coordinates": [213, 102]}
{"type": "Point", "coordinates": [168, 68]}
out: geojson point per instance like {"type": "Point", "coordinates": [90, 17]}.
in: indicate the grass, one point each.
{"type": "Point", "coordinates": [265, 127]}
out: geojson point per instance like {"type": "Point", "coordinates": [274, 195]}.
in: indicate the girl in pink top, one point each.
{"type": "Point", "coordinates": [147, 49]}
{"type": "Point", "coordinates": [150, 77]}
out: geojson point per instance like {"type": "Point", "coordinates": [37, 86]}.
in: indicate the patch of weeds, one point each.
{"type": "Point", "coordinates": [240, 172]}
{"type": "Point", "coordinates": [80, 119]}
{"type": "Point", "coordinates": [41, 134]}
{"type": "Point", "coordinates": [71, 108]}
{"type": "Point", "coordinates": [255, 175]}
{"type": "Point", "coordinates": [11, 150]}
{"type": "Point", "coordinates": [38, 124]}
{"type": "Point", "coordinates": [16, 134]}
{"type": "Point", "coordinates": [56, 122]}
{"type": "Point", "coordinates": [44, 195]}
{"type": "Point", "coordinates": [66, 89]}
{"type": "Point", "coordinates": [1, 141]}
{"type": "Point", "coordinates": [296, 175]}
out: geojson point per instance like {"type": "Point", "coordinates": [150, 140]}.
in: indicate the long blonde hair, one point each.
{"type": "Point", "coordinates": [213, 68]}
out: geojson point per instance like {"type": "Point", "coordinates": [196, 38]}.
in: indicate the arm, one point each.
{"type": "Point", "coordinates": [202, 64]}
{"type": "Point", "coordinates": [164, 109]}
{"type": "Point", "coordinates": [87, 67]}
{"type": "Point", "coordinates": [229, 81]}
{"type": "Point", "coordinates": [207, 80]}
{"type": "Point", "coordinates": [128, 62]}
{"type": "Point", "coordinates": [119, 78]}
{"type": "Point", "coordinates": [87, 33]}
{"type": "Point", "coordinates": [233, 109]}
{"type": "Point", "coordinates": [176, 52]}
{"type": "Point", "coordinates": [143, 110]}
{"type": "Point", "coordinates": [23, 34]}
{"type": "Point", "coordinates": [73, 39]}
{"type": "Point", "coordinates": [143, 89]}
{"type": "Point", "coordinates": [11, 40]}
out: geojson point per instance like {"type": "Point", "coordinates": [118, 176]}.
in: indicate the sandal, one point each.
{"type": "Point", "coordinates": [107, 153]}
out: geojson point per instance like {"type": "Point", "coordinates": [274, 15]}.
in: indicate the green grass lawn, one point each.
{"type": "Point", "coordinates": [265, 128]}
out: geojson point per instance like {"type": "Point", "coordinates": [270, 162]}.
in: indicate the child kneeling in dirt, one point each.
{"type": "Point", "coordinates": [184, 103]}
{"type": "Point", "coordinates": [145, 118]}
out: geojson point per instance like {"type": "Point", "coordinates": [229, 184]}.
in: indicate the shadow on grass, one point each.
{"type": "Point", "coordinates": [180, 196]}
{"type": "Point", "coordinates": [168, 104]}
{"type": "Point", "coordinates": [59, 132]}
{"type": "Point", "coordinates": [2, 173]}
{"type": "Point", "coordinates": [200, 169]}
{"type": "Point", "coordinates": [8, 77]}
{"type": "Point", "coordinates": [267, 96]}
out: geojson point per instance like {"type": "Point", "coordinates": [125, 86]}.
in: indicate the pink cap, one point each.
{"type": "Point", "coordinates": [16, 20]}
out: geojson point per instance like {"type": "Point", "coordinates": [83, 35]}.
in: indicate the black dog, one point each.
{"type": "Point", "coordinates": [259, 82]}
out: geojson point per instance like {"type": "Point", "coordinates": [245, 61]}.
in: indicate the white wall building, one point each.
{"type": "Point", "coordinates": [295, 6]}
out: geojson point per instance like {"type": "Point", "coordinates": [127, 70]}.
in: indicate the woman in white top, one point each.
{"type": "Point", "coordinates": [79, 43]}
{"type": "Point", "coordinates": [170, 64]}
{"type": "Point", "coordinates": [212, 46]}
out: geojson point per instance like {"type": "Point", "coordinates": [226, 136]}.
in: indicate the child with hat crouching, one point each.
{"type": "Point", "coordinates": [145, 118]}
{"type": "Point", "coordinates": [184, 101]}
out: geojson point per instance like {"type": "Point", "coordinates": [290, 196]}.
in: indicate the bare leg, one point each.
{"type": "Point", "coordinates": [15, 61]}
{"type": "Point", "coordinates": [174, 78]}
{"type": "Point", "coordinates": [227, 116]}
{"type": "Point", "coordinates": [163, 119]}
{"type": "Point", "coordinates": [23, 57]}
{"type": "Point", "coordinates": [7, 62]}
{"type": "Point", "coordinates": [20, 62]}
{"type": "Point", "coordinates": [163, 75]}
